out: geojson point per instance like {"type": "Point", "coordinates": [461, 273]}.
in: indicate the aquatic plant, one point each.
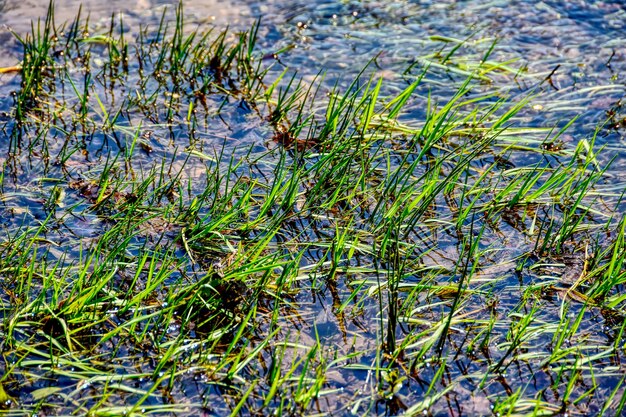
{"type": "Point", "coordinates": [371, 250]}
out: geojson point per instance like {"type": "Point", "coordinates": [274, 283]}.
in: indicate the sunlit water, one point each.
{"type": "Point", "coordinates": [579, 45]}
{"type": "Point", "coordinates": [573, 56]}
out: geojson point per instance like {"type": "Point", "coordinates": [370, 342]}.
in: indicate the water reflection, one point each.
{"type": "Point", "coordinates": [572, 56]}
{"type": "Point", "coordinates": [17, 16]}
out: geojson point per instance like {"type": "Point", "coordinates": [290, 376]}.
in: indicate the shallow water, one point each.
{"type": "Point", "coordinates": [571, 56]}
{"type": "Point", "coordinates": [579, 44]}
{"type": "Point", "coordinates": [582, 42]}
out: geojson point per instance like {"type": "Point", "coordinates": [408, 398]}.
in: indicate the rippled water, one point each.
{"type": "Point", "coordinates": [570, 55]}
{"type": "Point", "coordinates": [581, 44]}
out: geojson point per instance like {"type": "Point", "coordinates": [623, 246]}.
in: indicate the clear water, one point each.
{"type": "Point", "coordinates": [571, 55]}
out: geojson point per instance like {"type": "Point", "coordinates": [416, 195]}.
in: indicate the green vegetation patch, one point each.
{"type": "Point", "coordinates": [187, 228]}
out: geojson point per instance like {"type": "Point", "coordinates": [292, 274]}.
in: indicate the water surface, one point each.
{"type": "Point", "coordinates": [570, 57]}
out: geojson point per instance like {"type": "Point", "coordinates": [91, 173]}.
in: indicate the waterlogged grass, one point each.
{"type": "Point", "coordinates": [187, 229]}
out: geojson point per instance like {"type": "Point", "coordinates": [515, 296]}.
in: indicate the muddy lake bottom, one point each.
{"type": "Point", "coordinates": [328, 208]}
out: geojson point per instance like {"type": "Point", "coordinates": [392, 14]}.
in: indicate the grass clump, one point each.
{"type": "Point", "coordinates": [370, 251]}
